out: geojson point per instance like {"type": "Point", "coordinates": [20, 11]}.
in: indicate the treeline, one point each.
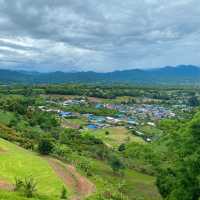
{"type": "Point", "coordinates": [100, 91]}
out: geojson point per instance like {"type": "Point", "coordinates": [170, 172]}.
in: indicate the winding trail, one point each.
{"type": "Point", "coordinates": [79, 184]}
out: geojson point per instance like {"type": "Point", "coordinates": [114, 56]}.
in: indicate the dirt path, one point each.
{"type": "Point", "coordinates": [81, 186]}
{"type": "Point", "coordinates": [4, 185]}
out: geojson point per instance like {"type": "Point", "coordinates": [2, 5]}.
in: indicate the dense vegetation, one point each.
{"type": "Point", "coordinates": [163, 94]}
{"type": "Point", "coordinates": [174, 158]}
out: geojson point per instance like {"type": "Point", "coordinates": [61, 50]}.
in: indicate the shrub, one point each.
{"type": "Point", "coordinates": [30, 187]}
{"type": "Point", "coordinates": [107, 133]}
{"type": "Point", "coordinates": [122, 147]}
{"type": "Point", "coordinates": [18, 184]}
{"type": "Point", "coordinates": [64, 194]}
{"type": "Point", "coordinates": [45, 146]}
{"type": "Point", "coordinates": [116, 164]}
{"type": "Point", "coordinates": [62, 151]}
{"type": "Point", "coordinates": [85, 165]}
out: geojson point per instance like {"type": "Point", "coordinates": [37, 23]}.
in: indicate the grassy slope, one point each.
{"type": "Point", "coordinates": [17, 196]}
{"type": "Point", "coordinates": [17, 162]}
{"type": "Point", "coordinates": [137, 185]}
{"type": "Point", "coordinates": [14, 163]}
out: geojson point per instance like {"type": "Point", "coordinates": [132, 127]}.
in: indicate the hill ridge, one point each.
{"type": "Point", "coordinates": [169, 75]}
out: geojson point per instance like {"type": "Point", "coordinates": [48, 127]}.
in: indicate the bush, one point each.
{"type": "Point", "coordinates": [18, 184]}
{"type": "Point", "coordinates": [116, 164]}
{"type": "Point", "coordinates": [29, 187]}
{"type": "Point", "coordinates": [64, 194]}
{"type": "Point", "coordinates": [107, 133]}
{"type": "Point", "coordinates": [85, 165]}
{"type": "Point", "coordinates": [62, 151]}
{"type": "Point", "coordinates": [45, 146]}
{"type": "Point", "coordinates": [122, 147]}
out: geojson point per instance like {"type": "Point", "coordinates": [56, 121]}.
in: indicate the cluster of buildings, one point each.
{"type": "Point", "coordinates": [140, 116]}
{"type": "Point", "coordinates": [73, 102]}
{"type": "Point", "coordinates": [141, 111]}
{"type": "Point", "coordinates": [138, 112]}
{"type": "Point", "coordinates": [57, 111]}
{"type": "Point", "coordinates": [127, 114]}
{"type": "Point", "coordinates": [154, 112]}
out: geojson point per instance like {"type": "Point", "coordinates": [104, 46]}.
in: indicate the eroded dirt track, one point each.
{"type": "Point", "coordinates": [79, 184]}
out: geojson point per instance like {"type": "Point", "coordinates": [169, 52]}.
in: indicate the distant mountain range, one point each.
{"type": "Point", "coordinates": [179, 75]}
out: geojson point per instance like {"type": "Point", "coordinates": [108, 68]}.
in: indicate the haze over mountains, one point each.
{"type": "Point", "coordinates": [179, 75]}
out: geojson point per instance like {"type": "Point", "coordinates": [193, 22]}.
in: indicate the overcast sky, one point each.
{"type": "Point", "coordinates": [100, 35]}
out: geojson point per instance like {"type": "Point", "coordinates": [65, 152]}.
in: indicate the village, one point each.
{"type": "Point", "coordinates": [139, 119]}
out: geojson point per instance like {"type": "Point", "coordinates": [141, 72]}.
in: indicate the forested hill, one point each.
{"type": "Point", "coordinates": [180, 75]}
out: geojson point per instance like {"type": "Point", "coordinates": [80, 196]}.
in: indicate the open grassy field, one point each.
{"type": "Point", "coordinates": [150, 130]}
{"type": "Point", "coordinates": [74, 123]}
{"type": "Point", "coordinates": [17, 162]}
{"type": "Point", "coordinates": [116, 136]}
{"type": "Point", "coordinates": [5, 195]}
{"type": "Point", "coordinates": [117, 100]}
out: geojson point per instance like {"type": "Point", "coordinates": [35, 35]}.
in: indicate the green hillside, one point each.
{"type": "Point", "coordinates": [17, 162]}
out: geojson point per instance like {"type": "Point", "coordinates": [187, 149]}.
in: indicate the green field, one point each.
{"type": "Point", "coordinates": [116, 136]}
{"type": "Point", "coordinates": [74, 123]}
{"type": "Point", "coordinates": [150, 130]}
{"type": "Point", "coordinates": [16, 196]}
{"type": "Point", "coordinates": [17, 162]}
{"type": "Point", "coordinates": [116, 100]}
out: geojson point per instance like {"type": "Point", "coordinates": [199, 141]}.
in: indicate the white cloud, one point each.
{"type": "Point", "coordinates": [98, 35]}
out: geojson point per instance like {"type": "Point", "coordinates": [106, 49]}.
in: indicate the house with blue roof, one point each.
{"type": "Point", "coordinates": [65, 114]}
{"type": "Point", "coordinates": [92, 126]}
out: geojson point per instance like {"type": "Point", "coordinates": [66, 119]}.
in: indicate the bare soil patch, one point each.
{"type": "Point", "coordinates": [81, 186]}
{"type": "Point", "coordinates": [4, 185]}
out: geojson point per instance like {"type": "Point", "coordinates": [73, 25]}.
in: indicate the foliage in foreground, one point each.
{"type": "Point", "coordinates": [28, 186]}
{"type": "Point", "coordinates": [179, 180]}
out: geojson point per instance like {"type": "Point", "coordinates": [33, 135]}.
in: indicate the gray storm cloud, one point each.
{"type": "Point", "coordinates": [104, 35]}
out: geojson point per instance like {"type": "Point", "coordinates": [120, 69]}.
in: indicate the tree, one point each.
{"type": "Point", "coordinates": [107, 132]}
{"type": "Point", "coordinates": [64, 194]}
{"type": "Point", "coordinates": [45, 146]}
{"type": "Point", "coordinates": [116, 164]}
{"type": "Point", "coordinates": [122, 147]}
